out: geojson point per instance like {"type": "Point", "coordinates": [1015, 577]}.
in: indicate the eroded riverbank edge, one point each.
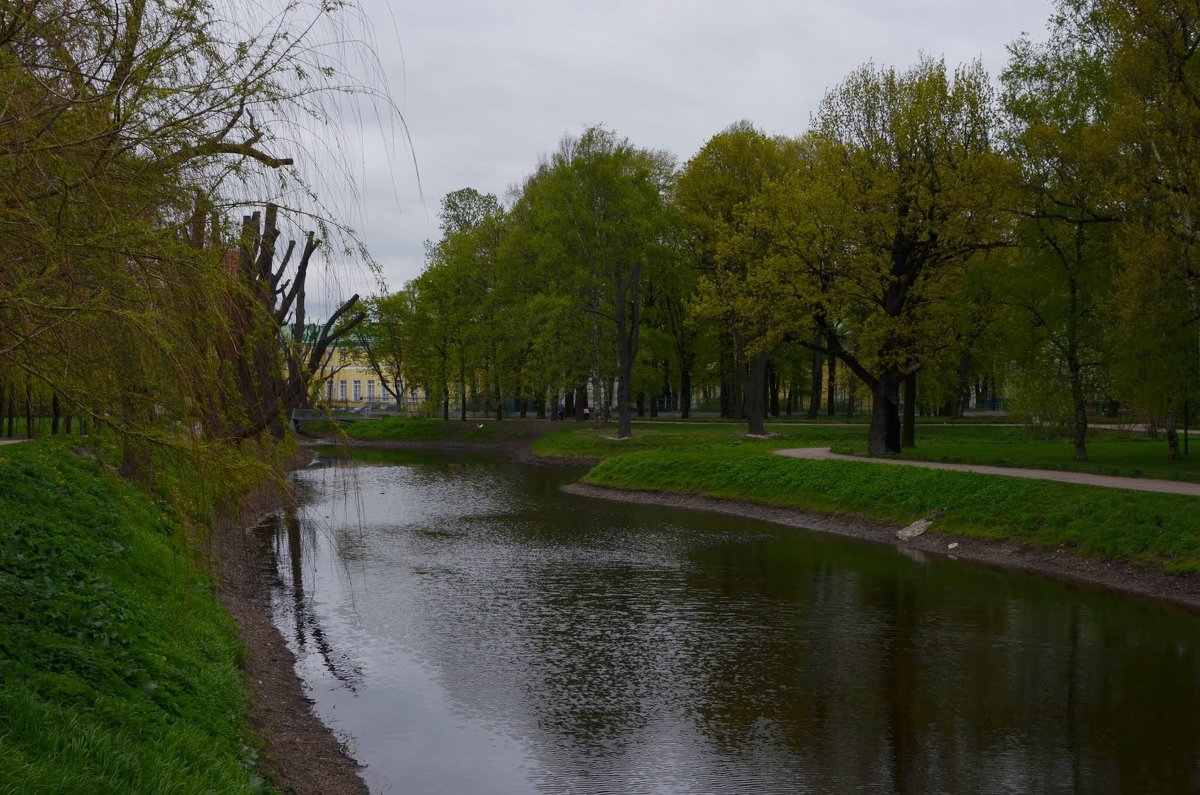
{"type": "Point", "coordinates": [302, 755]}
{"type": "Point", "coordinates": [1060, 563]}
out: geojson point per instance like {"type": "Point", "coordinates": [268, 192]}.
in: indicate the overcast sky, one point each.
{"type": "Point", "coordinates": [488, 87]}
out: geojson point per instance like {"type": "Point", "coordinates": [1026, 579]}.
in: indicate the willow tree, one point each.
{"type": "Point", "coordinates": [121, 124]}
{"type": "Point", "coordinates": [908, 171]}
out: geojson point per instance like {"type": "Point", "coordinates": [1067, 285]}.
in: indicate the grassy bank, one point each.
{"type": "Point", "coordinates": [715, 460]}
{"type": "Point", "coordinates": [118, 666]}
{"type": "Point", "coordinates": [427, 429]}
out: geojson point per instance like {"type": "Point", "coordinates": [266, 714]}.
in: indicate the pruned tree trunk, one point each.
{"type": "Point", "coordinates": [272, 301]}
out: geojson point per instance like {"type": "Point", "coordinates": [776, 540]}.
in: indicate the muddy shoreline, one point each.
{"type": "Point", "coordinates": [1060, 563]}
{"type": "Point", "coordinates": [299, 753]}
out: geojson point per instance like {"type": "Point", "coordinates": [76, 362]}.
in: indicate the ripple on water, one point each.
{"type": "Point", "coordinates": [507, 638]}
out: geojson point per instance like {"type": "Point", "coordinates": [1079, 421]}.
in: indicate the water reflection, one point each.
{"type": "Point", "coordinates": [478, 631]}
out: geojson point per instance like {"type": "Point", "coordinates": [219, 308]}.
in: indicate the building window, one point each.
{"type": "Point", "coordinates": [357, 390]}
{"type": "Point", "coordinates": [342, 390]}
{"type": "Point", "coordinates": [371, 390]}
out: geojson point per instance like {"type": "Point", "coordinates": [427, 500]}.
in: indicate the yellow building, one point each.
{"type": "Point", "coordinates": [347, 381]}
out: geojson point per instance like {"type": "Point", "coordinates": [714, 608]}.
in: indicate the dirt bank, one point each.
{"type": "Point", "coordinates": [1061, 563]}
{"type": "Point", "coordinates": [301, 755]}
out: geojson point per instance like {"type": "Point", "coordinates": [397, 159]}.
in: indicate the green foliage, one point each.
{"type": "Point", "coordinates": [399, 428]}
{"type": "Point", "coordinates": [1146, 528]}
{"type": "Point", "coordinates": [118, 670]}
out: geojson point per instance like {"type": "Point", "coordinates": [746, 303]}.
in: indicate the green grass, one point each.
{"type": "Point", "coordinates": [1118, 453]}
{"type": "Point", "coordinates": [427, 429]}
{"type": "Point", "coordinates": [118, 666]}
{"type": "Point", "coordinates": [1154, 529]}
{"type": "Point", "coordinates": [1122, 453]}
{"type": "Point", "coordinates": [580, 440]}
{"type": "Point", "coordinates": [717, 459]}
{"type": "Point", "coordinates": [399, 429]}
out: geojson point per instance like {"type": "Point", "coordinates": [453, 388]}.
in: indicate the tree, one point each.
{"type": "Point", "coordinates": [128, 130]}
{"type": "Point", "coordinates": [383, 338]}
{"type": "Point", "coordinates": [1057, 96]}
{"type": "Point", "coordinates": [715, 186]}
{"type": "Point", "coordinates": [602, 221]}
{"type": "Point", "coordinates": [901, 192]}
{"type": "Point", "coordinates": [1151, 57]}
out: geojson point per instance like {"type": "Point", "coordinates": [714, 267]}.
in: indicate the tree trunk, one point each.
{"type": "Point", "coordinates": [814, 395]}
{"type": "Point", "coordinates": [831, 386]}
{"type": "Point", "coordinates": [731, 369]}
{"type": "Point", "coordinates": [964, 386]}
{"type": "Point", "coordinates": [55, 414]}
{"type": "Point", "coordinates": [462, 387]}
{"type": "Point", "coordinates": [641, 404]}
{"type": "Point", "coordinates": [908, 432]}
{"type": "Point", "coordinates": [851, 408]}
{"type": "Point", "coordinates": [540, 407]}
{"type": "Point", "coordinates": [581, 402]}
{"type": "Point", "coordinates": [1172, 436]}
{"type": "Point", "coordinates": [883, 437]}
{"type": "Point", "coordinates": [756, 398]}
{"type": "Point", "coordinates": [28, 410]}
{"type": "Point", "coordinates": [685, 393]}
{"type": "Point", "coordinates": [773, 389]}
{"type": "Point", "coordinates": [1079, 420]}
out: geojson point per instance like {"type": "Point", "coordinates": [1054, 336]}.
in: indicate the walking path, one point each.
{"type": "Point", "coordinates": [1084, 478]}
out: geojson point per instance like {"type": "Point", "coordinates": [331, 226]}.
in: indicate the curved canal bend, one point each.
{"type": "Point", "coordinates": [471, 629]}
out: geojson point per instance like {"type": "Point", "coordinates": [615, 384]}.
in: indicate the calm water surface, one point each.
{"type": "Point", "coordinates": [471, 629]}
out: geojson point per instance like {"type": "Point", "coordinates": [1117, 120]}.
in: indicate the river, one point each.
{"type": "Point", "coordinates": [471, 629]}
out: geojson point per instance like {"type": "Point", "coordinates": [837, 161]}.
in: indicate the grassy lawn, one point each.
{"type": "Point", "coordinates": [716, 459]}
{"type": "Point", "coordinates": [118, 666]}
{"type": "Point", "coordinates": [1156, 529]}
{"type": "Point", "coordinates": [582, 440]}
{"type": "Point", "coordinates": [427, 429]}
{"type": "Point", "coordinates": [1121, 453]}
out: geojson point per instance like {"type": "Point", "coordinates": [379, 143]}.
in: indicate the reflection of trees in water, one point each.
{"type": "Point", "coordinates": [941, 679]}
{"type": "Point", "coordinates": [732, 664]}
{"type": "Point", "coordinates": [307, 627]}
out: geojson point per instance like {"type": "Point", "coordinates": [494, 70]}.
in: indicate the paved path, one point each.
{"type": "Point", "coordinates": [1084, 478]}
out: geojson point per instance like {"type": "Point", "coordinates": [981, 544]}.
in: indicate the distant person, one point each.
{"type": "Point", "coordinates": [587, 413]}
{"type": "Point", "coordinates": [562, 412]}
